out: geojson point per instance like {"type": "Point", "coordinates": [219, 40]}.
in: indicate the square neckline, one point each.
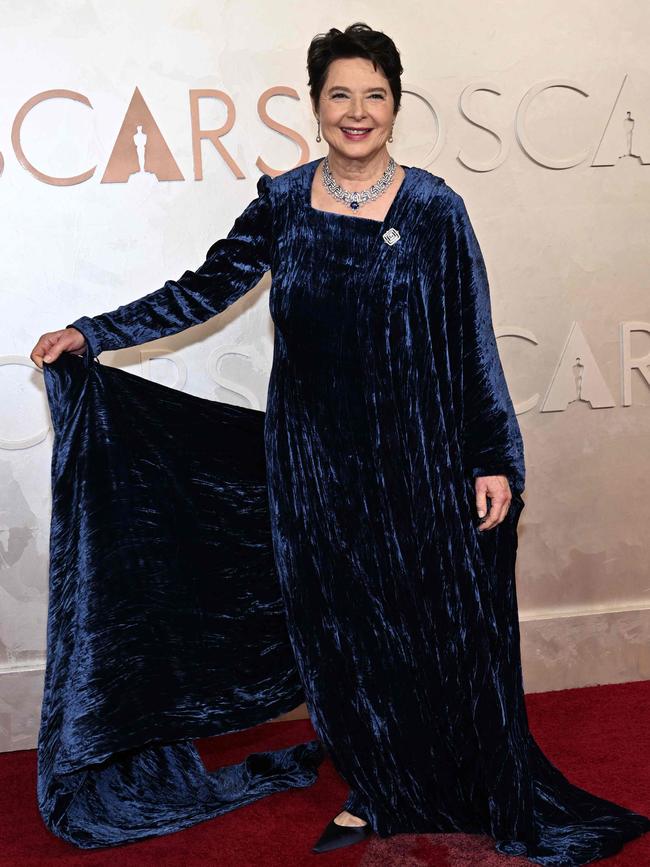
{"type": "Point", "coordinates": [367, 221]}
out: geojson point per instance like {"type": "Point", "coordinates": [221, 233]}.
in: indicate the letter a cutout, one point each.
{"type": "Point", "coordinates": [123, 161]}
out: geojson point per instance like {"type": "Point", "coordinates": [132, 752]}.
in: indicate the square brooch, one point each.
{"type": "Point", "coordinates": [391, 237]}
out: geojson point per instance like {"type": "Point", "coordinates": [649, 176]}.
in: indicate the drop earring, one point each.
{"type": "Point", "coordinates": [318, 138]}
{"type": "Point", "coordinates": [390, 138]}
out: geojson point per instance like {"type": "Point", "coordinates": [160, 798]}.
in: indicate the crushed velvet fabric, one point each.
{"type": "Point", "coordinates": [175, 570]}
{"type": "Point", "coordinates": [165, 616]}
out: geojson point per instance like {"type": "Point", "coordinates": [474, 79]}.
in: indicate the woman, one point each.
{"type": "Point", "coordinates": [388, 429]}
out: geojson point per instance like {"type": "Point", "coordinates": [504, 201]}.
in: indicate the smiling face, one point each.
{"type": "Point", "coordinates": [355, 96]}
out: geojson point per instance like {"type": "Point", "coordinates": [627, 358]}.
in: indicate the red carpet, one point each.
{"type": "Point", "coordinates": [598, 736]}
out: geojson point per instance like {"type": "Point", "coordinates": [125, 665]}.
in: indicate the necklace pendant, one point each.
{"type": "Point", "coordinates": [354, 205]}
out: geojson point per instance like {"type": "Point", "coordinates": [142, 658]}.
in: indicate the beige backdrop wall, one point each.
{"type": "Point", "coordinates": [522, 108]}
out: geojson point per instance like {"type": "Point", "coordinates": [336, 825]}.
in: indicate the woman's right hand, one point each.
{"type": "Point", "coordinates": [51, 344]}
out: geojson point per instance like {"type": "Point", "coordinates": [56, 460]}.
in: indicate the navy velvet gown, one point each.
{"type": "Point", "coordinates": [338, 529]}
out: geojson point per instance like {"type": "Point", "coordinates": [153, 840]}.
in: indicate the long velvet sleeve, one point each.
{"type": "Point", "coordinates": [232, 266]}
{"type": "Point", "coordinates": [492, 440]}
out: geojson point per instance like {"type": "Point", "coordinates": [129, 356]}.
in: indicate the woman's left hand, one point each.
{"type": "Point", "coordinates": [497, 488]}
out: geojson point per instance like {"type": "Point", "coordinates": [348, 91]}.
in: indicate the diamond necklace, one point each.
{"type": "Point", "coordinates": [358, 197]}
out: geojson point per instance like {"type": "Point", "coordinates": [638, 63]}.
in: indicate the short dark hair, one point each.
{"type": "Point", "coordinates": [358, 40]}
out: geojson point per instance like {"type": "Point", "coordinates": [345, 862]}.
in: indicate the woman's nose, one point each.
{"type": "Point", "coordinates": [357, 110]}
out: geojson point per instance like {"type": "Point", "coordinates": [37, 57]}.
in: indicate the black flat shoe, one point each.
{"type": "Point", "coordinates": [336, 836]}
